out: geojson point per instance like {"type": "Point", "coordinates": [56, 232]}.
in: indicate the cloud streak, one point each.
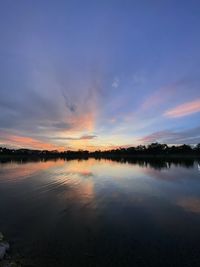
{"type": "Point", "coordinates": [83, 137]}
{"type": "Point", "coordinates": [190, 136]}
{"type": "Point", "coordinates": [185, 109]}
{"type": "Point", "coordinates": [69, 105]}
{"type": "Point", "coordinates": [26, 142]}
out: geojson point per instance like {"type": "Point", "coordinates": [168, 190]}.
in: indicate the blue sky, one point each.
{"type": "Point", "coordinates": [99, 74]}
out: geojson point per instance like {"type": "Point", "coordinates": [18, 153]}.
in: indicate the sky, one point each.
{"type": "Point", "coordinates": [99, 74]}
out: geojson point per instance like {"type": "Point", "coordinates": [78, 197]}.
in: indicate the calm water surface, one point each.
{"type": "Point", "coordinates": [102, 213]}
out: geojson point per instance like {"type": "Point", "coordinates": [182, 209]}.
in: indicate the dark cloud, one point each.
{"type": "Point", "coordinates": [87, 137]}
{"type": "Point", "coordinates": [32, 112]}
{"type": "Point", "coordinates": [71, 106]}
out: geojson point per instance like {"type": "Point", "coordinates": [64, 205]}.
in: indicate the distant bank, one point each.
{"type": "Point", "coordinates": [152, 151]}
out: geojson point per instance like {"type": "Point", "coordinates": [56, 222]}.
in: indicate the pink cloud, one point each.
{"type": "Point", "coordinates": [190, 136]}
{"type": "Point", "coordinates": [158, 137]}
{"type": "Point", "coordinates": [27, 142]}
{"type": "Point", "coordinates": [159, 97]}
{"type": "Point", "coordinates": [184, 109]}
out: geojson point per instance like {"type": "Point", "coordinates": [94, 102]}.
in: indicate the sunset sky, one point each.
{"type": "Point", "coordinates": [99, 74]}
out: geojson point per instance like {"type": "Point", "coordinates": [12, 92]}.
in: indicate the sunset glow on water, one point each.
{"type": "Point", "coordinates": [58, 212]}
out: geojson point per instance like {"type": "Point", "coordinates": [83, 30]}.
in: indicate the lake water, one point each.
{"type": "Point", "coordinates": [102, 213]}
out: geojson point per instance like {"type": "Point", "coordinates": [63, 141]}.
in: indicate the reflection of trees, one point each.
{"type": "Point", "coordinates": [158, 164]}
{"type": "Point", "coordinates": [156, 155]}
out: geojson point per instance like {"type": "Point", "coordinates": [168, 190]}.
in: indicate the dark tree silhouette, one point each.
{"type": "Point", "coordinates": [152, 150]}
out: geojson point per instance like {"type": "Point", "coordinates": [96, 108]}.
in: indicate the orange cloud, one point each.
{"type": "Point", "coordinates": [184, 109]}
{"type": "Point", "coordinates": [80, 122]}
{"type": "Point", "coordinates": [28, 142]}
{"type": "Point", "coordinates": [84, 121]}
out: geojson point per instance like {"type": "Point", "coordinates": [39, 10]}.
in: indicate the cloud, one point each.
{"type": "Point", "coordinates": [87, 137]}
{"type": "Point", "coordinates": [156, 137]}
{"type": "Point", "coordinates": [26, 142]}
{"type": "Point", "coordinates": [159, 97]}
{"type": "Point", "coordinates": [71, 106]}
{"type": "Point", "coordinates": [184, 109]}
{"type": "Point", "coordinates": [169, 93]}
{"type": "Point", "coordinates": [50, 109]}
{"type": "Point", "coordinates": [191, 136]}
{"type": "Point", "coordinates": [115, 83]}
{"type": "Point", "coordinates": [61, 125]}
{"type": "Point", "coordinates": [83, 137]}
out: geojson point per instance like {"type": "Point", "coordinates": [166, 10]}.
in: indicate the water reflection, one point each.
{"type": "Point", "coordinates": [16, 170]}
{"type": "Point", "coordinates": [191, 204]}
{"type": "Point", "coordinates": [102, 212]}
{"type": "Point", "coordinates": [198, 165]}
{"type": "Point", "coordinates": [156, 163]}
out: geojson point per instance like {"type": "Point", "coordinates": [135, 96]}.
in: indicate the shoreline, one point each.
{"type": "Point", "coordinates": [107, 156]}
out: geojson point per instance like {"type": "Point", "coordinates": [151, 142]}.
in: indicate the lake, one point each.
{"type": "Point", "coordinates": [102, 212]}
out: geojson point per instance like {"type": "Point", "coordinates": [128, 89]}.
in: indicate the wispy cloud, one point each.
{"type": "Point", "coordinates": [155, 137]}
{"type": "Point", "coordinates": [71, 106]}
{"type": "Point", "coordinates": [115, 82]}
{"type": "Point", "coordinates": [83, 137]}
{"type": "Point", "coordinates": [26, 142]}
{"type": "Point", "coordinates": [184, 109]}
{"type": "Point", "coordinates": [190, 136]}
{"type": "Point", "coordinates": [87, 137]}
{"type": "Point", "coordinates": [159, 97]}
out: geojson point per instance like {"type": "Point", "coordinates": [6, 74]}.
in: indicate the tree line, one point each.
{"type": "Point", "coordinates": [154, 149]}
